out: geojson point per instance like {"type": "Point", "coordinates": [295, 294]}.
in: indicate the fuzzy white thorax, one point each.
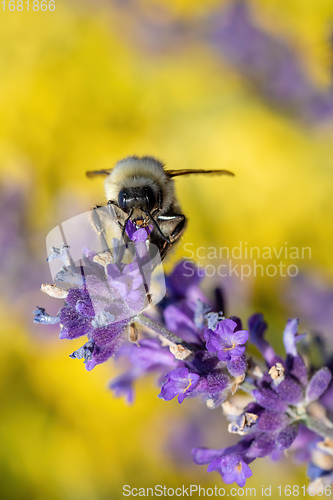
{"type": "Point", "coordinates": [135, 171]}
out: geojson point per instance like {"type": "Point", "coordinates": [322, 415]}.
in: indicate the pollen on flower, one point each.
{"type": "Point", "coordinates": [180, 352]}
{"type": "Point", "coordinates": [54, 291]}
{"type": "Point", "coordinates": [277, 373]}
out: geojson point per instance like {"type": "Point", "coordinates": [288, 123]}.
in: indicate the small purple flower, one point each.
{"type": "Point", "coordinates": [225, 341]}
{"type": "Point", "coordinates": [236, 471]}
{"type": "Point", "coordinates": [179, 382]}
{"type": "Point", "coordinates": [231, 463]}
{"type": "Point", "coordinates": [138, 234]}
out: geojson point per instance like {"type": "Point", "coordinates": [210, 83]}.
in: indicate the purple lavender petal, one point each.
{"type": "Point", "coordinates": [318, 384]}
{"type": "Point", "coordinates": [200, 311]}
{"type": "Point", "coordinates": [237, 351]}
{"type": "Point", "coordinates": [213, 388]}
{"type": "Point", "coordinates": [205, 362]}
{"type": "Point", "coordinates": [74, 294]}
{"type": "Point", "coordinates": [286, 437]}
{"type": "Point", "coordinates": [122, 386]}
{"type": "Point", "coordinates": [213, 341]}
{"type": "Point", "coordinates": [218, 463]}
{"type": "Point", "coordinates": [140, 235]}
{"type": "Point", "coordinates": [103, 335]}
{"type": "Point", "coordinates": [150, 356]}
{"type": "Point", "coordinates": [237, 366]}
{"type": "Point", "coordinates": [296, 367]}
{"type": "Point", "coordinates": [85, 308]}
{"type": "Point", "coordinates": [304, 443]}
{"type": "Point", "coordinates": [236, 471]}
{"type": "Point", "coordinates": [137, 235]}
{"type": "Point", "coordinates": [130, 229]}
{"type": "Point", "coordinates": [327, 398]}
{"type": "Point", "coordinates": [73, 324]}
{"type": "Point", "coordinates": [270, 421]}
{"type": "Point", "coordinates": [290, 391]}
{"type": "Point", "coordinates": [262, 446]}
{"type": "Point", "coordinates": [225, 327]}
{"type": "Point", "coordinates": [185, 277]}
{"type": "Point", "coordinates": [225, 341]}
{"type": "Point", "coordinates": [101, 354]}
{"type": "Point", "coordinates": [242, 336]}
{"type": "Point", "coordinates": [269, 400]}
{"type": "Point", "coordinates": [179, 382]}
{"type": "Point", "coordinates": [291, 337]}
{"type": "Point", "coordinates": [312, 297]}
{"type": "Point", "coordinates": [257, 328]}
{"type": "Point", "coordinates": [107, 341]}
{"type": "Point", "coordinates": [179, 318]}
{"type": "Point", "coordinates": [80, 300]}
{"type": "Point", "coordinates": [203, 456]}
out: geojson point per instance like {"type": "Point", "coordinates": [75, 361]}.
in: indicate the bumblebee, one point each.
{"type": "Point", "coordinates": [142, 190]}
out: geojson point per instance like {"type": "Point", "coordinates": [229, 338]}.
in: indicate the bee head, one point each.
{"type": "Point", "coordinates": [142, 198]}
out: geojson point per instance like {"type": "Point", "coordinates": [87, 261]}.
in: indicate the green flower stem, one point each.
{"type": "Point", "coordinates": [246, 387]}
{"type": "Point", "coordinates": [318, 427]}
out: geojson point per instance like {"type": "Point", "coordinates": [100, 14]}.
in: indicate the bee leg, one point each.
{"type": "Point", "coordinates": [173, 227]}
{"type": "Point", "coordinates": [116, 213]}
{"type": "Point", "coordinates": [98, 226]}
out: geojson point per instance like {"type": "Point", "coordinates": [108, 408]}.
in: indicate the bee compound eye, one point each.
{"type": "Point", "coordinates": [150, 198]}
{"type": "Point", "coordinates": [122, 199]}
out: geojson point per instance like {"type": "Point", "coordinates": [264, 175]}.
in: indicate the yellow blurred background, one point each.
{"type": "Point", "coordinates": [80, 88]}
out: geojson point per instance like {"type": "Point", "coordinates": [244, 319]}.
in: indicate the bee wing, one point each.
{"type": "Point", "coordinates": [95, 173]}
{"type": "Point", "coordinates": [176, 173]}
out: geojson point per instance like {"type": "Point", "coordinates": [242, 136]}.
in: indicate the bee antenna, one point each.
{"type": "Point", "coordinates": [157, 226]}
